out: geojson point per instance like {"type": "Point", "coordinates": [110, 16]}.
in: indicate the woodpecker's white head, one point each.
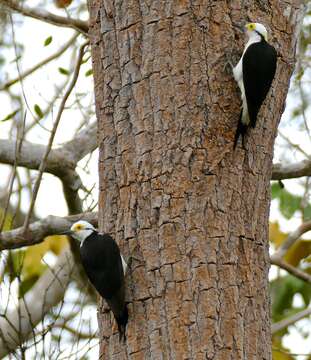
{"type": "Point", "coordinates": [80, 230]}
{"type": "Point", "coordinates": [255, 29]}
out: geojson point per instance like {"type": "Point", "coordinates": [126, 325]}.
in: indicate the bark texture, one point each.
{"type": "Point", "coordinates": [172, 190]}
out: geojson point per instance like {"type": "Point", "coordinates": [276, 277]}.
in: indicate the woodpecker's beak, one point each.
{"type": "Point", "coordinates": [67, 232]}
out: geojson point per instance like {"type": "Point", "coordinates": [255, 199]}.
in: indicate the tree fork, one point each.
{"type": "Point", "coordinates": [172, 190]}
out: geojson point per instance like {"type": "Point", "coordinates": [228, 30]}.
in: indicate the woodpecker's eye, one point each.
{"type": "Point", "coordinates": [78, 227]}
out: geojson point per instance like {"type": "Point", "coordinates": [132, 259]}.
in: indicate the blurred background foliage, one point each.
{"type": "Point", "coordinates": [291, 207]}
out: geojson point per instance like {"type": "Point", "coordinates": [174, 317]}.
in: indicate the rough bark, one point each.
{"type": "Point", "coordinates": [172, 190]}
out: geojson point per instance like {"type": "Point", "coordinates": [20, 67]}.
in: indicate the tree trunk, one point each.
{"type": "Point", "coordinates": [172, 189]}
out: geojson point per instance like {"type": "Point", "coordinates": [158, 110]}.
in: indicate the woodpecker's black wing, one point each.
{"type": "Point", "coordinates": [259, 65]}
{"type": "Point", "coordinates": [101, 259]}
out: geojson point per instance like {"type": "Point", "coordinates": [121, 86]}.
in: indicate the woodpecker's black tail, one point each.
{"type": "Point", "coordinates": [122, 321]}
{"type": "Point", "coordinates": [241, 130]}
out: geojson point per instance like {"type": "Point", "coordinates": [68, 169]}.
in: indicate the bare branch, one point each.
{"type": "Point", "coordinates": [290, 321]}
{"type": "Point", "coordinates": [60, 160]}
{"type": "Point", "coordinates": [38, 230]}
{"type": "Point", "coordinates": [302, 168]}
{"type": "Point", "coordinates": [292, 238]}
{"type": "Point", "coordinates": [31, 155]}
{"type": "Point", "coordinates": [53, 133]}
{"type": "Point", "coordinates": [47, 292]}
{"type": "Point", "coordinates": [57, 164]}
{"type": "Point", "coordinates": [40, 64]}
{"type": "Point", "coordinates": [275, 260]}
{"type": "Point", "coordinates": [42, 15]}
{"type": "Point", "coordinates": [18, 146]}
{"type": "Point", "coordinates": [77, 333]}
{"type": "Point", "coordinates": [82, 144]}
{"type": "Point", "coordinates": [293, 145]}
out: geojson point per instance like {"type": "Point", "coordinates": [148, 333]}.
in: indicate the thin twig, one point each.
{"type": "Point", "coordinates": [295, 146]}
{"type": "Point", "coordinates": [18, 65]}
{"type": "Point", "coordinates": [292, 238]}
{"type": "Point", "coordinates": [79, 334]}
{"type": "Point", "coordinates": [40, 64]}
{"type": "Point", "coordinates": [51, 103]}
{"type": "Point", "coordinates": [290, 320]}
{"type": "Point", "coordinates": [42, 15]}
{"type": "Point", "coordinates": [49, 146]}
{"type": "Point", "coordinates": [303, 97]}
{"type": "Point", "coordinates": [18, 146]}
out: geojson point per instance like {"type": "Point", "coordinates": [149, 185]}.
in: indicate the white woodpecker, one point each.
{"type": "Point", "coordinates": [105, 267]}
{"type": "Point", "coordinates": [254, 74]}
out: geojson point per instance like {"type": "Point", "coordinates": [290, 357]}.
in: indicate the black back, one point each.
{"type": "Point", "coordinates": [100, 256]}
{"type": "Point", "coordinates": [101, 259]}
{"type": "Point", "coordinates": [259, 65]}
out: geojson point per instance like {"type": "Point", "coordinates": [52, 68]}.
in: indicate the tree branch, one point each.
{"type": "Point", "coordinates": [276, 260]}
{"type": "Point", "coordinates": [290, 171]}
{"type": "Point", "coordinates": [42, 15]}
{"type": "Point", "coordinates": [31, 156]}
{"type": "Point", "coordinates": [60, 161]}
{"type": "Point", "coordinates": [57, 164]}
{"type": "Point", "coordinates": [292, 238]}
{"type": "Point", "coordinates": [83, 143]}
{"type": "Point", "coordinates": [16, 326]}
{"type": "Point", "coordinates": [38, 230]}
{"type": "Point", "coordinates": [290, 321]}
{"type": "Point", "coordinates": [17, 151]}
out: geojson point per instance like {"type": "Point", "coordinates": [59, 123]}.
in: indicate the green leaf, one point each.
{"type": "Point", "coordinates": [48, 41]}
{"type": "Point", "coordinates": [299, 75]}
{"type": "Point", "coordinates": [86, 59]}
{"type": "Point", "coordinates": [38, 111]}
{"type": "Point", "coordinates": [10, 116]}
{"type": "Point", "coordinates": [89, 72]}
{"type": "Point", "coordinates": [307, 213]}
{"type": "Point", "coordinates": [63, 71]}
{"type": "Point", "coordinates": [14, 263]}
{"type": "Point", "coordinates": [26, 285]}
{"type": "Point", "coordinates": [296, 112]}
{"type": "Point", "coordinates": [276, 190]}
{"type": "Point", "coordinates": [7, 221]}
{"type": "Point", "coordinates": [283, 290]}
{"type": "Point", "coordinates": [289, 204]}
